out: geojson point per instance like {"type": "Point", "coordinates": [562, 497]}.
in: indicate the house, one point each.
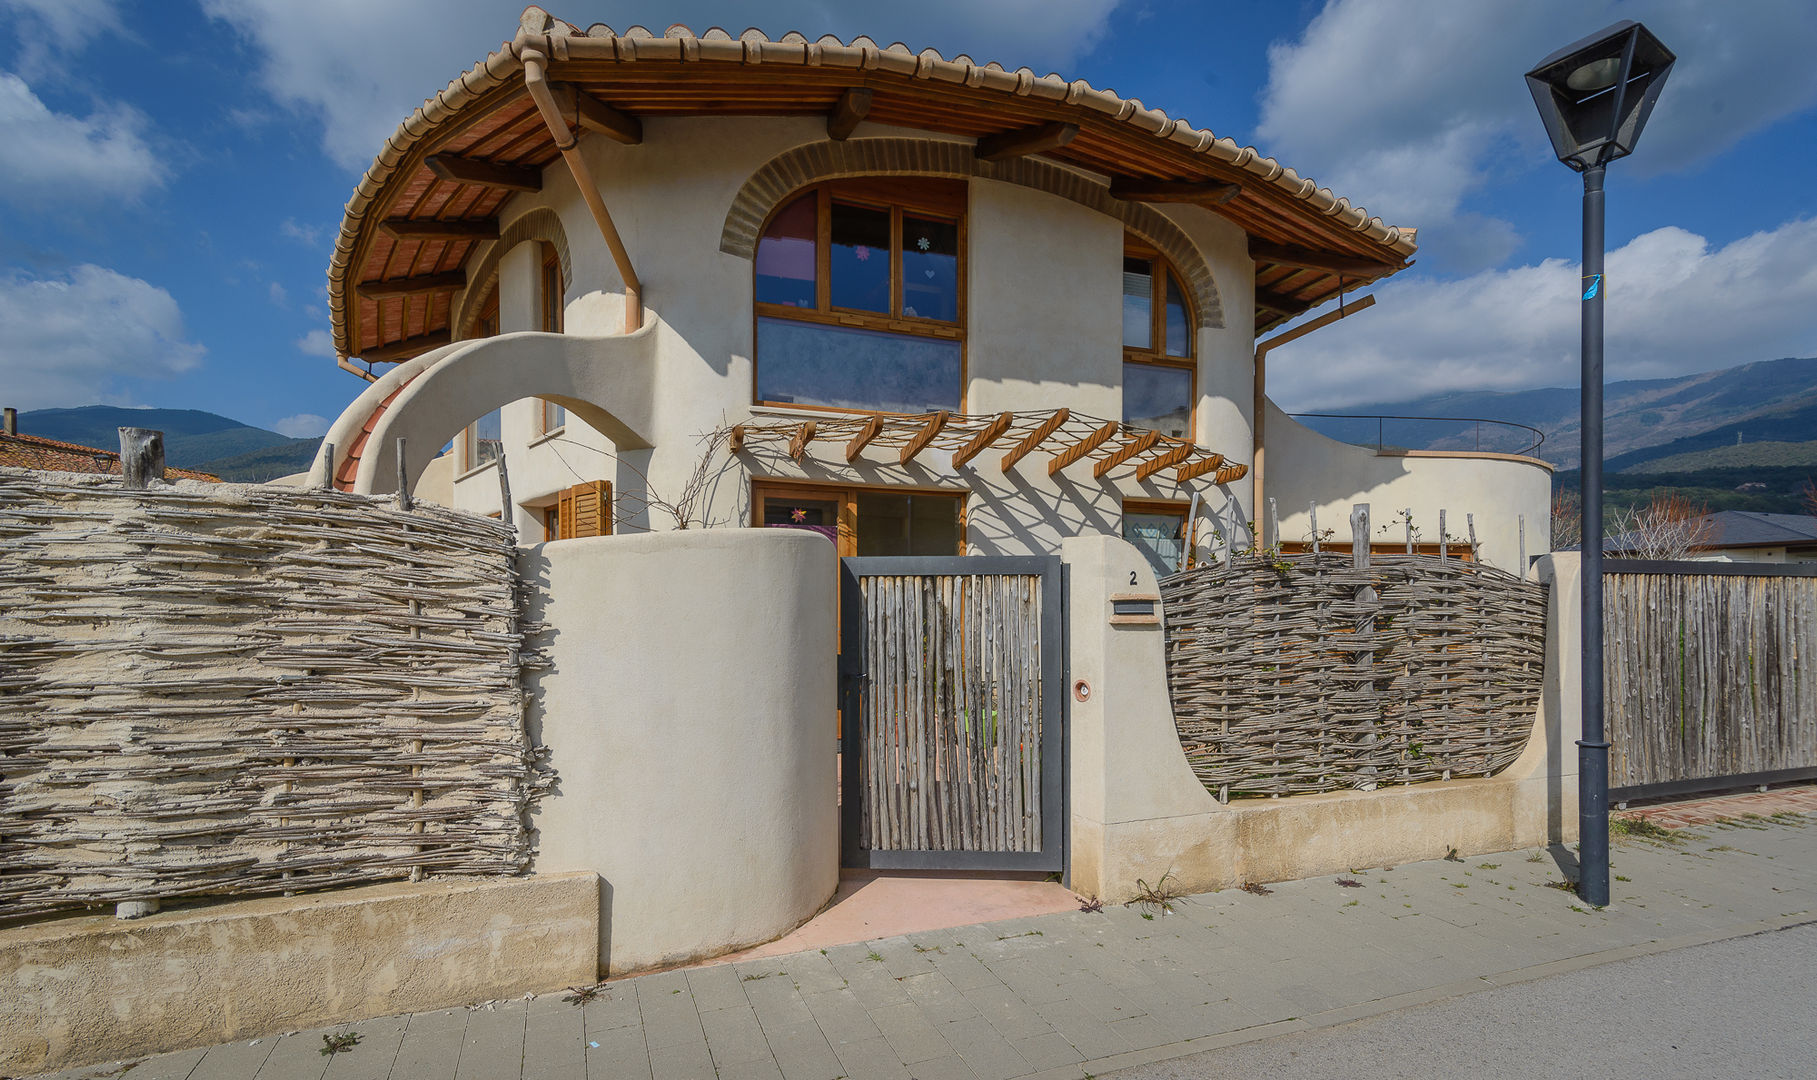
{"type": "Point", "coordinates": [1742, 536]}
{"type": "Point", "coordinates": [920, 305]}
{"type": "Point", "coordinates": [54, 455]}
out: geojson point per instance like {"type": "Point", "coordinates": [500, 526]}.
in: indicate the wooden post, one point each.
{"type": "Point", "coordinates": [1470, 522]}
{"type": "Point", "coordinates": [403, 477]}
{"type": "Point", "coordinates": [1444, 541]}
{"type": "Point", "coordinates": [1312, 513]}
{"type": "Point", "coordinates": [1274, 522]}
{"type": "Point", "coordinates": [1521, 521]}
{"type": "Point", "coordinates": [506, 512]}
{"type": "Point", "coordinates": [327, 465]}
{"type": "Point", "coordinates": [1407, 517]}
{"type": "Point", "coordinates": [141, 456]}
{"type": "Point", "coordinates": [1365, 624]}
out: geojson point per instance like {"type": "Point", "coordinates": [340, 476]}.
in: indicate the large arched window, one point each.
{"type": "Point", "coordinates": [1159, 373]}
{"type": "Point", "coordinates": [860, 298]}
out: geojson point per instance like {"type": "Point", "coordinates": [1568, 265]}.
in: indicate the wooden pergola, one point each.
{"type": "Point", "coordinates": [1065, 436]}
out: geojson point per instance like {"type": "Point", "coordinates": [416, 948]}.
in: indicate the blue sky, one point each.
{"type": "Point", "coordinates": [172, 173]}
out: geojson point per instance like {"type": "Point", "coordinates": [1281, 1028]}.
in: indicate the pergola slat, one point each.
{"type": "Point", "coordinates": [803, 436]}
{"type": "Point", "coordinates": [924, 437]}
{"type": "Point", "coordinates": [1141, 444]}
{"type": "Point", "coordinates": [1035, 438]}
{"type": "Point", "coordinates": [1082, 447]}
{"type": "Point", "coordinates": [991, 433]}
{"type": "Point", "coordinates": [872, 429]}
{"type": "Point", "coordinates": [1172, 456]}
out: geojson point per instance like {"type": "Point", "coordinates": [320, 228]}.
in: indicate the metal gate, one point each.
{"type": "Point", "coordinates": [950, 684]}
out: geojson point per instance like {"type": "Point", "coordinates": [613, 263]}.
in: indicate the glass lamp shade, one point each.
{"type": "Point", "coordinates": [1595, 95]}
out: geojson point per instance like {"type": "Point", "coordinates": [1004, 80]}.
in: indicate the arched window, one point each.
{"type": "Point", "coordinates": [1159, 373]}
{"type": "Point", "coordinates": [860, 289]}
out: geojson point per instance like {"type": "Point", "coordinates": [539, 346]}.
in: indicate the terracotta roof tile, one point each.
{"type": "Point", "coordinates": [53, 455]}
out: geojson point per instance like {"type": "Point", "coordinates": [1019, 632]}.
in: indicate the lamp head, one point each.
{"type": "Point", "coordinates": [1595, 95]}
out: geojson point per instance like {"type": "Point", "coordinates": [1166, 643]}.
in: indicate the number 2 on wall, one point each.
{"type": "Point", "coordinates": [1132, 577]}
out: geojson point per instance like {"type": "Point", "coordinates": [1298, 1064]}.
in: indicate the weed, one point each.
{"type": "Point", "coordinates": [1580, 910]}
{"type": "Point", "coordinates": [580, 995]}
{"type": "Point", "coordinates": [1538, 856]}
{"type": "Point", "coordinates": [1451, 856]}
{"type": "Point", "coordinates": [334, 1044]}
{"type": "Point", "coordinates": [1639, 828]}
{"type": "Point", "coordinates": [1459, 885]}
{"type": "Point", "coordinates": [1160, 895]}
{"type": "Point", "coordinates": [1562, 886]}
{"type": "Point", "coordinates": [878, 957]}
{"type": "Point", "coordinates": [767, 974]}
{"type": "Point", "coordinates": [1149, 915]}
{"type": "Point", "coordinates": [1257, 888]}
{"type": "Point", "coordinates": [1618, 877]}
{"type": "Point", "coordinates": [1489, 866]}
{"type": "Point", "coordinates": [1093, 905]}
{"type": "Point", "coordinates": [931, 948]}
{"type": "Point", "coordinates": [1353, 903]}
{"type": "Point", "coordinates": [1349, 883]}
{"type": "Point", "coordinates": [1722, 847]}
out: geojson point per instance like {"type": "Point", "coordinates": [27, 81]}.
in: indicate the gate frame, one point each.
{"type": "Point", "coordinates": [853, 680]}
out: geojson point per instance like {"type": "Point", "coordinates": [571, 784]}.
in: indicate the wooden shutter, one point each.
{"type": "Point", "coordinates": [586, 510]}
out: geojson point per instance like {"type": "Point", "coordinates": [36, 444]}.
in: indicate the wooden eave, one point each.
{"type": "Point", "coordinates": [492, 118]}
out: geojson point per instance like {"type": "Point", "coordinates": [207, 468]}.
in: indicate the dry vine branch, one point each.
{"type": "Point", "coordinates": [1669, 527]}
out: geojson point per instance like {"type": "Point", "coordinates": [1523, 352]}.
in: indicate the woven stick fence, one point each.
{"type": "Point", "coordinates": [234, 690]}
{"type": "Point", "coordinates": [1294, 674]}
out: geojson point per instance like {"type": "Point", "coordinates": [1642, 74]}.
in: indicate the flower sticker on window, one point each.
{"type": "Point", "coordinates": [798, 515]}
{"type": "Point", "coordinates": [924, 243]}
{"type": "Point", "coordinates": [862, 253]}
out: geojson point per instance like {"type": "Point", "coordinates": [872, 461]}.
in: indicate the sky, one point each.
{"type": "Point", "coordinates": [172, 174]}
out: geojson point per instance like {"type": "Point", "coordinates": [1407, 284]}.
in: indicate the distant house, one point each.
{"type": "Point", "coordinates": [1742, 536]}
{"type": "Point", "coordinates": [53, 455]}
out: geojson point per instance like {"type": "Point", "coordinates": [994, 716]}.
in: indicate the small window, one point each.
{"type": "Point", "coordinates": [485, 439]}
{"type": "Point", "coordinates": [582, 510]}
{"type": "Point", "coordinates": [553, 295]}
{"type": "Point", "coordinates": [555, 417]}
{"type": "Point", "coordinates": [1159, 376]}
{"type": "Point", "coordinates": [1159, 532]}
{"type": "Point", "coordinates": [785, 257]}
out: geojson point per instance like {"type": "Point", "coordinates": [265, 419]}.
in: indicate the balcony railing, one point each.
{"type": "Point", "coordinates": [1441, 433]}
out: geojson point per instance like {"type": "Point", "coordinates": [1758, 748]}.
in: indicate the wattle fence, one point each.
{"type": "Point", "coordinates": [233, 690]}
{"type": "Point", "coordinates": [1294, 674]}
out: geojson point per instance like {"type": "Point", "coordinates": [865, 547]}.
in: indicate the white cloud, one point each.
{"type": "Point", "coordinates": [1408, 105]}
{"type": "Point", "coordinates": [316, 343]}
{"type": "Point", "coordinates": [302, 234]}
{"type": "Point", "coordinates": [70, 340]}
{"type": "Point", "coordinates": [1674, 307]}
{"type": "Point", "coordinates": [52, 158]}
{"type": "Point", "coordinates": [302, 426]}
{"type": "Point", "coordinates": [49, 30]}
{"type": "Point", "coordinates": [278, 296]}
{"type": "Point", "coordinates": [341, 61]}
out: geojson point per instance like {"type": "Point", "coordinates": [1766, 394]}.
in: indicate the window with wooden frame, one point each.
{"type": "Point", "coordinates": [1158, 530]}
{"type": "Point", "coordinates": [860, 298]}
{"type": "Point", "coordinates": [865, 520]}
{"type": "Point", "coordinates": [554, 297]}
{"type": "Point", "coordinates": [1160, 380]}
{"type": "Point", "coordinates": [482, 442]}
{"type": "Point", "coordinates": [582, 510]}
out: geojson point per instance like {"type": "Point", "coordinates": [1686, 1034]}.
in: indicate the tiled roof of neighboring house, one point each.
{"type": "Point", "coordinates": [486, 113]}
{"type": "Point", "coordinates": [1741, 529]}
{"type": "Point", "coordinates": [54, 455]}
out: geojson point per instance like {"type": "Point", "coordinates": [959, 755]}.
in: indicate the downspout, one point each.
{"type": "Point", "coordinates": [1260, 424]}
{"type": "Point", "coordinates": [535, 63]}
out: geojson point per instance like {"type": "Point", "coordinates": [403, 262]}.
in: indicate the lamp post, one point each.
{"type": "Point", "coordinates": [1595, 96]}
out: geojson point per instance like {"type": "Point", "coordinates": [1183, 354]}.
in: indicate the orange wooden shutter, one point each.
{"type": "Point", "coordinates": [586, 510]}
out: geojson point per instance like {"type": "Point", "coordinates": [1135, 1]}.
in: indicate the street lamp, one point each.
{"type": "Point", "coordinates": [1595, 96]}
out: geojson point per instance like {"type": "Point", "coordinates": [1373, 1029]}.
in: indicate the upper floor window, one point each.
{"type": "Point", "coordinates": [1158, 369]}
{"type": "Point", "coordinates": [554, 297]}
{"type": "Point", "coordinates": [859, 297]}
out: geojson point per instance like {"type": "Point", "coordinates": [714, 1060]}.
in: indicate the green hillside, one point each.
{"type": "Point", "coordinates": [268, 463]}
{"type": "Point", "coordinates": [191, 437]}
{"type": "Point", "coordinates": [1745, 456]}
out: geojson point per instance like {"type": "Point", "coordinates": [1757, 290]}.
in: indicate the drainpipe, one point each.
{"type": "Point", "coordinates": [535, 63]}
{"type": "Point", "coordinates": [1260, 424]}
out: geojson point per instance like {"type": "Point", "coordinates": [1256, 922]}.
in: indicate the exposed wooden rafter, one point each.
{"type": "Point", "coordinates": [407, 348]}
{"type": "Point", "coordinates": [1020, 142]}
{"type": "Point", "coordinates": [854, 105]}
{"type": "Point", "coordinates": [1082, 447]}
{"type": "Point", "coordinates": [1197, 468]}
{"type": "Point", "coordinates": [466, 170]}
{"type": "Point", "coordinates": [991, 433]}
{"type": "Point", "coordinates": [863, 439]}
{"type": "Point", "coordinates": [1035, 438]}
{"type": "Point", "coordinates": [431, 229]}
{"type": "Point", "coordinates": [1178, 453]}
{"type": "Point", "coordinates": [1140, 444]}
{"type": "Point", "coordinates": [405, 286]}
{"type": "Point", "coordinates": [803, 436]}
{"type": "Point", "coordinates": [593, 114]}
{"type": "Point", "coordinates": [735, 442]}
{"type": "Point", "coordinates": [1308, 259]}
{"type": "Point", "coordinates": [1280, 303]}
{"type": "Point", "coordinates": [923, 437]}
{"type": "Point", "coordinates": [1207, 193]}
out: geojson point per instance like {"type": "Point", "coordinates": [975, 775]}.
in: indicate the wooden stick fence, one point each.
{"type": "Point", "coordinates": [233, 690]}
{"type": "Point", "coordinates": [1294, 674]}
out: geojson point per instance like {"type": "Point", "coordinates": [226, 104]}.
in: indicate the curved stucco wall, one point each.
{"type": "Point", "coordinates": [1304, 467]}
{"type": "Point", "coordinates": [689, 712]}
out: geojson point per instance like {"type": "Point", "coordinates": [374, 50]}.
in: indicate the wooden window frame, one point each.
{"type": "Point", "coordinates": [553, 294]}
{"type": "Point", "coordinates": [484, 326]}
{"type": "Point", "coordinates": [1156, 353]}
{"type": "Point", "coordinates": [846, 495]}
{"type": "Point", "coordinates": [567, 520]}
{"type": "Point", "coordinates": [936, 199]}
{"type": "Point", "coordinates": [1459, 550]}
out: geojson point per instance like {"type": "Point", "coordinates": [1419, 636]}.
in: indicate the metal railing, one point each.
{"type": "Point", "coordinates": [1504, 436]}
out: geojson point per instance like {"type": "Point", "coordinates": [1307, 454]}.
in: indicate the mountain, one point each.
{"type": "Point", "coordinates": [192, 438]}
{"type": "Point", "coordinates": [1643, 419]}
{"type": "Point", "coordinates": [267, 463]}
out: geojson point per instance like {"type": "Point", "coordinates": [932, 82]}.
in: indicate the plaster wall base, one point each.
{"type": "Point", "coordinates": [94, 988]}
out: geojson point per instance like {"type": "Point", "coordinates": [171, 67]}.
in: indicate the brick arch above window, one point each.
{"type": "Point", "coordinates": [541, 224]}
{"type": "Point", "coordinates": [779, 178]}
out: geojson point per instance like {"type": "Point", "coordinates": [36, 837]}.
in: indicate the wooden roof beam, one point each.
{"type": "Point", "coordinates": [478, 171]}
{"type": "Point", "coordinates": [1308, 259]}
{"type": "Point", "coordinates": [1081, 448]}
{"type": "Point", "coordinates": [854, 105]}
{"type": "Point", "coordinates": [431, 229]}
{"type": "Point", "coordinates": [1193, 469]}
{"type": "Point", "coordinates": [407, 348]}
{"type": "Point", "coordinates": [1035, 438]}
{"type": "Point", "coordinates": [803, 436]}
{"type": "Point", "coordinates": [404, 286]}
{"type": "Point", "coordinates": [1213, 193]}
{"type": "Point", "coordinates": [1020, 142]}
{"type": "Point", "coordinates": [924, 437]}
{"type": "Point", "coordinates": [1141, 444]}
{"type": "Point", "coordinates": [595, 115]}
{"type": "Point", "coordinates": [872, 428]}
{"type": "Point", "coordinates": [991, 433]}
{"type": "Point", "coordinates": [1172, 456]}
{"type": "Point", "coordinates": [1280, 303]}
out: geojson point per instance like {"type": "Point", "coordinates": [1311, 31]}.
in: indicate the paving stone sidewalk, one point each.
{"type": "Point", "coordinates": [1085, 993]}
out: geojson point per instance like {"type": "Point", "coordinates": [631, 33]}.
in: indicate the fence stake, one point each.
{"type": "Point", "coordinates": [1521, 521]}
{"type": "Point", "coordinates": [1407, 516]}
{"type": "Point", "coordinates": [1274, 522]}
{"type": "Point", "coordinates": [327, 481]}
{"type": "Point", "coordinates": [1470, 521]}
{"type": "Point", "coordinates": [507, 513]}
{"type": "Point", "coordinates": [141, 456]}
{"type": "Point", "coordinates": [1365, 624]}
{"type": "Point", "coordinates": [403, 478]}
{"type": "Point", "coordinates": [1444, 539]}
{"type": "Point", "coordinates": [1312, 512]}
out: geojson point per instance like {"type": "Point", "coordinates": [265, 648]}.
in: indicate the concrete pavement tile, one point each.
{"type": "Point", "coordinates": [871, 1059]}
{"type": "Point", "coordinates": [717, 987]}
{"type": "Point", "coordinates": [1093, 1038]}
{"type": "Point", "coordinates": [938, 997]}
{"type": "Point", "coordinates": [751, 1070]}
{"type": "Point", "coordinates": [1048, 1051]}
{"type": "Point", "coordinates": [372, 1057]}
{"type": "Point", "coordinates": [176, 1066]}
{"type": "Point", "coordinates": [613, 1005]}
{"type": "Point", "coordinates": [987, 1053]}
{"type": "Point", "coordinates": [952, 1067]}
{"type": "Point", "coordinates": [904, 957]}
{"type": "Point", "coordinates": [802, 1052]}
{"type": "Point", "coordinates": [842, 1017]}
{"type": "Point", "coordinates": [1007, 1013]}
{"type": "Point", "coordinates": [297, 1056]}
{"type": "Point", "coordinates": [876, 987]}
{"type": "Point", "coordinates": [620, 1054]}
{"type": "Point", "coordinates": [1033, 979]}
{"type": "Point", "coordinates": [239, 1060]}
{"type": "Point", "coordinates": [555, 1045]}
{"type": "Point", "coordinates": [777, 1003]}
{"type": "Point", "coordinates": [812, 972]}
{"type": "Point", "coordinates": [430, 1048]}
{"type": "Point", "coordinates": [669, 1016]}
{"type": "Point", "coordinates": [681, 1061]}
{"type": "Point", "coordinates": [734, 1036]}
{"type": "Point", "coordinates": [493, 1045]}
{"type": "Point", "coordinates": [912, 1034]}
{"type": "Point", "coordinates": [1142, 1032]}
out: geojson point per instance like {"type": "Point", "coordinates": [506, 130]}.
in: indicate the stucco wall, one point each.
{"type": "Point", "coordinates": [689, 711]}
